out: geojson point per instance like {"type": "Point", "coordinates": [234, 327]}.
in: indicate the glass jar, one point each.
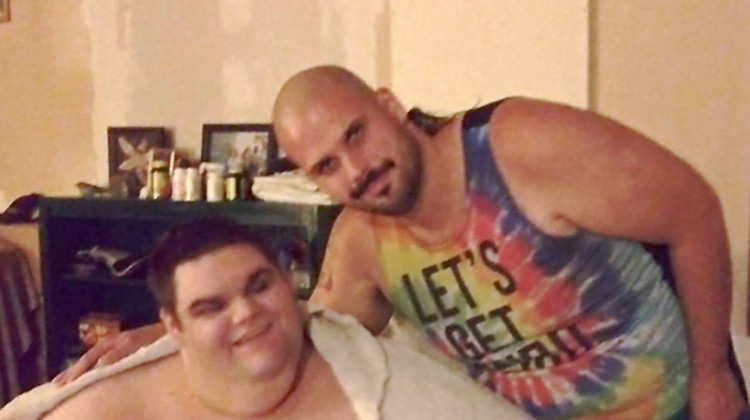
{"type": "Point", "coordinates": [160, 183]}
{"type": "Point", "coordinates": [235, 184]}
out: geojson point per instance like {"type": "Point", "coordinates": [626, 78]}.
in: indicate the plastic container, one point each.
{"type": "Point", "coordinates": [179, 184]}
{"type": "Point", "coordinates": [214, 180]}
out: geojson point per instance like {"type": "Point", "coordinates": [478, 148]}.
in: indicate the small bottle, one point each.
{"type": "Point", "coordinates": [193, 185]}
{"type": "Point", "coordinates": [235, 184]}
{"type": "Point", "coordinates": [179, 184]}
{"type": "Point", "coordinates": [214, 181]}
{"type": "Point", "coordinates": [160, 180]}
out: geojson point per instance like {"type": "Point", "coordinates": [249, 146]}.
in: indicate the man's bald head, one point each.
{"type": "Point", "coordinates": [316, 89]}
{"type": "Point", "coordinates": [308, 84]}
{"type": "Point", "coordinates": [346, 136]}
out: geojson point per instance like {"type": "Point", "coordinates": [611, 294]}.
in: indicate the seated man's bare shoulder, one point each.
{"type": "Point", "coordinates": [146, 391]}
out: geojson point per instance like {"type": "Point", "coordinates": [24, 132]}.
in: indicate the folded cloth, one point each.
{"type": "Point", "coordinates": [382, 379]}
{"type": "Point", "coordinates": [287, 195]}
{"type": "Point", "coordinates": [386, 380]}
{"type": "Point", "coordinates": [289, 187]}
{"type": "Point", "coordinates": [295, 179]}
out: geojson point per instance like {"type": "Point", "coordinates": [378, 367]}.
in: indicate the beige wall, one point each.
{"type": "Point", "coordinates": [46, 95]}
{"type": "Point", "coordinates": [680, 72]}
{"type": "Point", "coordinates": [450, 57]}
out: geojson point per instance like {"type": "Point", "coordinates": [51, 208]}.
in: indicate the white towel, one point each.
{"type": "Point", "coordinates": [387, 380]}
{"type": "Point", "coordinates": [289, 187]}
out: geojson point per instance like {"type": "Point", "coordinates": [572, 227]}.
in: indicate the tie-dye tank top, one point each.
{"type": "Point", "coordinates": [564, 327]}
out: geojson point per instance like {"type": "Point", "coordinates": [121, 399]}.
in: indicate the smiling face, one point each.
{"type": "Point", "coordinates": [351, 141]}
{"type": "Point", "coordinates": [235, 316]}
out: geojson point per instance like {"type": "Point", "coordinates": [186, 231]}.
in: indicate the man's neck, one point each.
{"type": "Point", "coordinates": [439, 212]}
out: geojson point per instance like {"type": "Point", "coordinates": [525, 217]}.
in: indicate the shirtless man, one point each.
{"type": "Point", "coordinates": [511, 235]}
{"type": "Point", "coordinates": [243, 351]}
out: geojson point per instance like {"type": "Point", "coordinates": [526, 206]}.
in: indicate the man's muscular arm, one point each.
{"type": "Point", "coordinates": [572, 169]}
{"type": "Point", "coordinates": [350, 279]}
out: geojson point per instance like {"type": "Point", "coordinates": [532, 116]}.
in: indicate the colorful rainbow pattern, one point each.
{"type": "Point", "coordinates": [574, 327]}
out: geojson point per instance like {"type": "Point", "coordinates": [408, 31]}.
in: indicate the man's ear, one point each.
{"type": "Point", "coordinates": [391, 103]}
{"type": "Point", "coordinates": [172, 324]}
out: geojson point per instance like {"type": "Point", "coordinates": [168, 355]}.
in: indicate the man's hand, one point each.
{"type": "Point", "coordinates": [111, 349]}
{"type": "Point", "coordinates": [715, 395]}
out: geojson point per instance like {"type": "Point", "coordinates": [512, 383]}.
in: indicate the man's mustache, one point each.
{"type": "Point", "coordinates": [371, 176]}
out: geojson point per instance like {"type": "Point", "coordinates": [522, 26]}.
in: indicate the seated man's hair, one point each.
{"type": "Point", "coordinates": [191, 240]}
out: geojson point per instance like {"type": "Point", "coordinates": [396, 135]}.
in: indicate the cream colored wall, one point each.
{"type": "Point", "coordinates": [454, 55]}
{"type": "Point", "coordinates": [680, 72]}
{"type": "Point", "coordinates": [46, 94]}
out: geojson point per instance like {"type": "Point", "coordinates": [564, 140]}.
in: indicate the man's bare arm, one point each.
{"type": "Point", "coordinates": [350, 279]}
{"type": "Point", "coordinates": [573, 169]}
{"type": "Point", "coordinates": [110, 350]}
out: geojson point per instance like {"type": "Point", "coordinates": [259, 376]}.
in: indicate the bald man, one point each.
{"type": "Point", "coordinates": [512, 236]}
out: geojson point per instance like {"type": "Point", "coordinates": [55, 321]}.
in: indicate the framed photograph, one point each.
{"type": "Point", "coordinates": [278, 162]}
{"type": "Point", "coordinates": [129, 149]}
{"type": "Point", "coordinates": [4, 10]}
{"type": "Point", "coordinates": [245, 145]}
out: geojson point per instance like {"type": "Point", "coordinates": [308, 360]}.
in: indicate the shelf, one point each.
{"type": "Point", "coordinates": [273, 214]}
{"type": "Point", "coordinates": [130, 281]}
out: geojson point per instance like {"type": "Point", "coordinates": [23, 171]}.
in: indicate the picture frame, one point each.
{"type": "Point", "coordinates": [129, 149]}
{"type": "Point", "coordinates": [4, 11]}
{"type": "Point", "coordinates": [250, 145]}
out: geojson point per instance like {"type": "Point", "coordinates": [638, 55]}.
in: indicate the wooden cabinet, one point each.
{"type": "Point", "coordinates": [91, 248]}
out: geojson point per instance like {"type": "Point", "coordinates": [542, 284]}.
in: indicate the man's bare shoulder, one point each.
{"type": "Point", "coordinates": [527, 118]}
{"type": "Point", "coordinates": [530, 131]}
{"type": "Point", "coordinates": [126, 395]}
{"type": "Point", "coordinates": [350, 280]}
{"type": "Point", "coordinates": [352, 222]}
{"type": "Point", "coordinates": [352, 240]}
